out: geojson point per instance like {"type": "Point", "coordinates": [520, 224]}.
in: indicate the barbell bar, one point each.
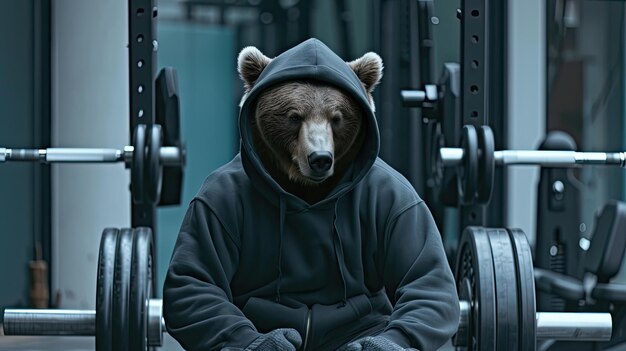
{"type": "Point", "coordinates": [452, 157]}
{"type": "Point", "coordinates": [168, 155]}
{"type": "Point", "coordinates": [57, 322]}
{"type": "Point", "coordinates": [550, 325]}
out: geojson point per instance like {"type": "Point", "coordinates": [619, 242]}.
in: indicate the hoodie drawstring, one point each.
{"type": "Point", "coordinates": [340, 257]}
{"type": "Point", "coordinates": [280, 248]}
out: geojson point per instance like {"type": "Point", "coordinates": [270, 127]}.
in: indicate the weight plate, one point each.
{"type": "Point", "coordinates": [467, 173]}
{"type": "Point", "coordinates": [137, 169]}
{"type": "Point", "coordinates": [507, 321]}
{"type": "Point", "coordinates": [486, 164]}
{"type": "Point", "coordinates": [168, 116]}
{"type": "Point", "coordinates": [475, 264]}
{"type": "Point", "coordinates": [435, 162]}
{"type": "Point", "coordinates": [525, 289]}
{"type": "Point", "coordinates": [121, 289]}
{"type": "Point", "coordinates": [154, 170]}
{"type": "Point", "coordinates": [140, 288]}
{"type": "Point", "coordinates": [167, 110]}
{"type": "Point", "coordinates": [104, 289]}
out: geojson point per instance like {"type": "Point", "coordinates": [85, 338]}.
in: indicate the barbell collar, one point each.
{"type": "Point", "coordinates": [546, 158]}
{"type": "Point", "coordinates": [156, 323]}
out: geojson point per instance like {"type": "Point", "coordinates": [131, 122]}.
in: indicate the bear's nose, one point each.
{"type": "Point", "coordinates": [320, 161]}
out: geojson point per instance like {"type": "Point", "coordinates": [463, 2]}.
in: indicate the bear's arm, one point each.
{"type": "Point", "coordinates": [197, 300]}
{"type": "Point", "coordinates": [419, 282]}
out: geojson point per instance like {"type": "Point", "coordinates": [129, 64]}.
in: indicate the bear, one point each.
{"type": "Point", "coordinates": [306, 239]}
{"type": "Point", "coordinates": [307, 133]}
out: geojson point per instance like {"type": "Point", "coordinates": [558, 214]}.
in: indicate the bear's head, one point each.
{"type": "Point", "coordinates": [307, 132]}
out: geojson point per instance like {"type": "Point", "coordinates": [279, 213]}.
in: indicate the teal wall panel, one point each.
{"type": "Point", "coordinates": [205, 60]}
{"type": "Point", "coordinates": [17, 197]}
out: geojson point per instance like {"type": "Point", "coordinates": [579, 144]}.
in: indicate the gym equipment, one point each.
{"type": "Point", "coordinates": [494, 280]}
{"type": "Point", "coordinates": [127, 317]}
{"type": "Point", "coordinates": [561, 231]}
{"type": "Point", "coordinates": [146, 165]}
{"type": "Point", "coordinates": [168, 116]}
{"type": "Point", "coordinates": [496, 287]}
{"type": "Point", "coordinates": [476, 158]}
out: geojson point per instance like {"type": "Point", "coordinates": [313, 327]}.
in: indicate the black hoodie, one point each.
{"type": "Point", "coordinates": [250, 257]}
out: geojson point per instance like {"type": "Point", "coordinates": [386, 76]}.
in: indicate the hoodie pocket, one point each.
{"type": "Point", "coordinates": [335, 321]}
{"type": "Point", "coordinates": [268, 315]}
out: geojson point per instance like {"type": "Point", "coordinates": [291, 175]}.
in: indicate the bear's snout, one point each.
{"type": "Point", "coordinates": [320, 162]}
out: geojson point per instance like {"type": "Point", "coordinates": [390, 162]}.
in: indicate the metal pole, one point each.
{"type": "Point", "coordinates": [550, 325]}
{"type": "Point", "coordinates": [169, 155]}
{"type": "Point", "coordinates": [546, 158]}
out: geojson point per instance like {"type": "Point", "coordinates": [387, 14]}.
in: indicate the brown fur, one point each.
{"type": "Point", "coordinates": [277, 136]}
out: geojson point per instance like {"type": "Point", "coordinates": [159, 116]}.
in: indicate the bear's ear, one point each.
{"type": "Point", "coordinates": [369, 69]}
{"type": "Point", "coordinates": [250, 63]}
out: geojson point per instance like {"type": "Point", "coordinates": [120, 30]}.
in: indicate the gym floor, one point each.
{"type": "Point", "coordinates": [65, 343]}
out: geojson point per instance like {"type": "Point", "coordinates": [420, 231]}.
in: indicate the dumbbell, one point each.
{"type": "Point", "coordinates": [495, 283]}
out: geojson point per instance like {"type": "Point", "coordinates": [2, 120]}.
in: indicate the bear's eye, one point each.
{"type": "Point", "coordinates": [336, 119]}
{"type": "Point", "coordinates": [294, 117]}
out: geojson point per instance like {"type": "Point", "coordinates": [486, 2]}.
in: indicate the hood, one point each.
{"type": "Point", "coordinates": [310, 60]}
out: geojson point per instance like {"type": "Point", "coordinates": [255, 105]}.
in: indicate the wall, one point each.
{"type": "Point", "coordinates": [89, 109]}
{"type": "Point", "coordinates": [526, 111]}
{"type": "Point", "coordinates": [17, 119]}
{"type": "Point", "coordinates": [204, 58]}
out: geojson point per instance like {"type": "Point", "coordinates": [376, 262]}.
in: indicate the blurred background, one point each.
{"type": "Point", "coordinates": [64, 82]}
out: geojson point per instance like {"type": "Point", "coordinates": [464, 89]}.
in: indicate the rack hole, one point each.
{"type": "Point", "coordinates": [140, 89]}
{"type": "Point", "coordinates": [140, 63]}
{"type": "Point", "coordinates": [474, 114]}
{"type": "Point", "coordinates": [140, 38]}
{"type": "Point", "coordinates": [475, 13]}
{"type": "Point", "coordinates": [475, 64]}
{"type": "Point", "coordinates": [140, 114]}
{"type": "Point", "coordinates": [140, 11]}
{"type": "Point", "coordinates": [475, 39]}
{"type": "Point", "coordinates": [155, 12]}
{"type": "Point", "coordinates": [474, 89]}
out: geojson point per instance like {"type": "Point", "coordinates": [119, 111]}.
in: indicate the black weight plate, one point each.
{"type": "Point", "coordinates": [104, 289]}
{"type": "Point", "coordinates": [475, 263]}
{"type": "Point", "coordinates": [525, 289]}
{"type": "Point", "coordinates": [121, 289]}
{"type": "Point", "coordinates": [168, 116]}
{"type": "Point", "coordinates": [137, 170]}
{"type": "Point", "coordinates": [467, 173]}
{"type": "Point", "coordinates": [140, 288]}
{"type": "Point", "coordinates": [167, 109]}
{"type": "Point", "coordinates": [486, 164]}
{"type": "Point", "coordinates": [154, 170]}
{"type": "Point", "coordinates": [507, 332]}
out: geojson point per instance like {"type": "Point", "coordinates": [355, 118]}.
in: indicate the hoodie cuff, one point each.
{"type": "Point", "coordinates": [242, 337]}
{"type": "Point", "coordinates": [397, 336]}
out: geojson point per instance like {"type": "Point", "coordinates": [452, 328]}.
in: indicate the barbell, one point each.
{"type": "Point", "coordinates": [156, 159]}
{"type": "Point", "coordinates": [476, 158]}
{"type": "Point", "coordinates": [146, 159]}
{"type": "Point", "coordinates": [494, 280]}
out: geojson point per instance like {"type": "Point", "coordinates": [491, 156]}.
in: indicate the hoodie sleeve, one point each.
{"type": "Point", "coordinates": [197, 300]}
{"type": "Point", "coordinates": [419, 282]}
